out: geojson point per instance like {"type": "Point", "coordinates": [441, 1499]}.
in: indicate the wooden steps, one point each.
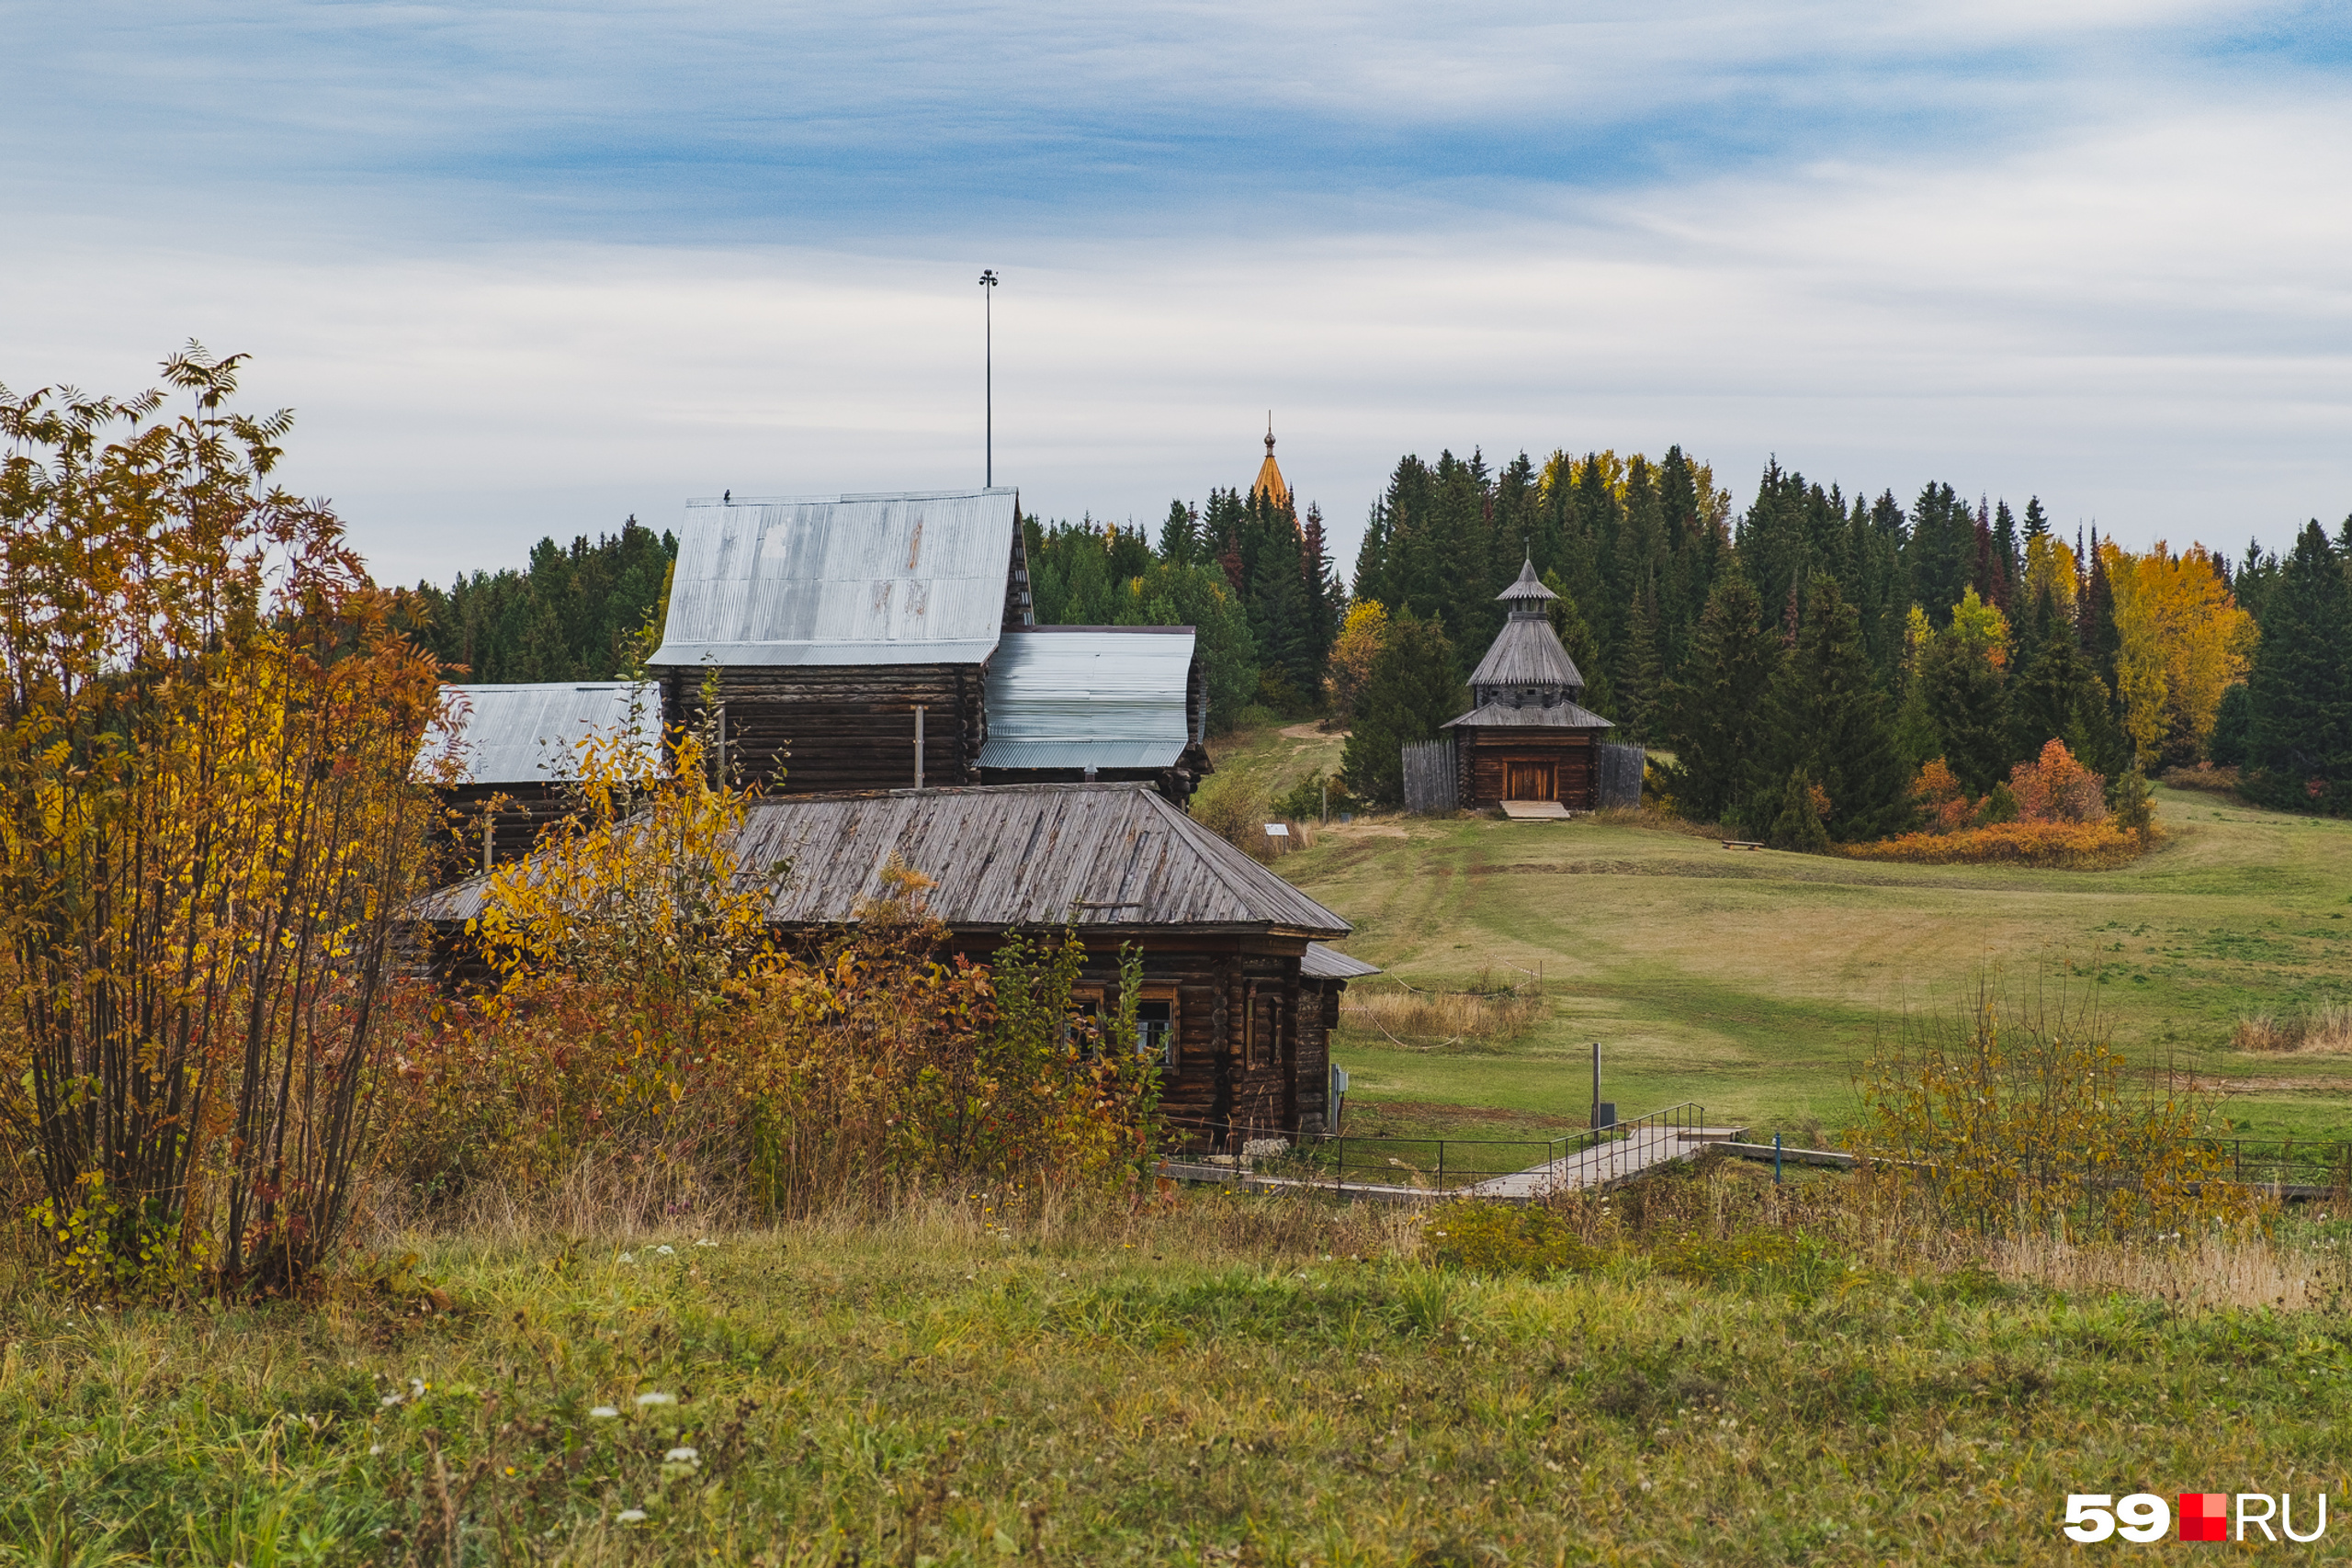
{"type": "Point", "coordinates": [1535, 811]}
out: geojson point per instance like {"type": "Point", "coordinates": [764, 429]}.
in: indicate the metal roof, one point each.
{"type": "Point", "coordinates": [1099, 856]}
{"type": "Point", "coordinates": [1323, 962]}
{"type": "Point", "coordinates": [1560, 715]}
{"type": "Point", "coordinates": [531, 734]}
{"type": "Point", "coordinates": [1527, 652]}
{"type": "Point", "coordinates": [1092, 697]}
{"type": "Point", "coordinates": [914, 579]}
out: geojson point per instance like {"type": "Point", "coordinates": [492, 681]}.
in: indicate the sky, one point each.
{"type": "Point", "coordinates": [524, 270]}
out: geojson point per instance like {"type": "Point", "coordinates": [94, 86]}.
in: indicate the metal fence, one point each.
{"type": "Point", "coordinates": [1429, 777]}
{"type": "Point", "coordinates": [1617, 776]}
{"type": "Point", "coordinates": [2307, 1166]}
{"type": "Point", "coordinates": [1345, 1160]}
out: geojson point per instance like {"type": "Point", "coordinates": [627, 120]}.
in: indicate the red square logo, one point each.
{"type": "Point", "coordinates": [2204, 1515]}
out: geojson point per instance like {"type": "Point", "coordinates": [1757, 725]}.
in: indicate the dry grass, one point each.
{"type": "Point", "coordinates": [2204, 776]}
{"type": "Point", "coordinates": [2325, 1030]}
{"type": "Point", "coordinates": [1441, 1017]}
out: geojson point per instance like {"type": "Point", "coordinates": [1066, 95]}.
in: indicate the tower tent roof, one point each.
{"type": "Point", "coordinates": [1269, 480]}
{"type": "Point", "coordinates": [1527, 590]}
{"type": "Point", "coordinates": [1527, 653]}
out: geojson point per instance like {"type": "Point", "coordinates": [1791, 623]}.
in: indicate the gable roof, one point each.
{"type": "Point", "coordinates": [1113, 857]}
{"type": "Point", "coordinates": [531, 733]}
{"type": "Point", "coordinates": [913, 579]}
{"type": "Point", "coordinates": [1092, 697]}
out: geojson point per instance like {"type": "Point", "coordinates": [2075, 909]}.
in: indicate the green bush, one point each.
{"type": "Point", "coordinates": [1312, 797]}
{"type": "Point", "coordinates": [1507, 1238]}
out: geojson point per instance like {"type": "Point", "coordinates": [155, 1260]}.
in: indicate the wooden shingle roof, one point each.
{"type": "Point", "coordinates": [1111, 856]}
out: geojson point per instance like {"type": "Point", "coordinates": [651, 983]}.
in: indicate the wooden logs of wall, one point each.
{"type": "Point", "coordinates": [802, 729]}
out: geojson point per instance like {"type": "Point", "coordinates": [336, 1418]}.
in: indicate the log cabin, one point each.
{"type": "Point", "coordinates": [886, 641]}
{"type": "Point", "coordinates": [1239, 991]}
{"type": "Point", "coordinates": [1527, 736]}
{"type": "Point", "coordinates": [511, 752]}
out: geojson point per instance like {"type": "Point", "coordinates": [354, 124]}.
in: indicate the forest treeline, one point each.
{"type": "Point", "coordinates": [570, 614]}
{"type": "Point", "coordinates": [1846, 641]}
{"type": "Point", "coordinates": [1814, 648]}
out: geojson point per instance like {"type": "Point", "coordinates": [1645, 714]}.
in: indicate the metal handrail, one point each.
{"type": "Point", "coordinates": [1328, 1153]}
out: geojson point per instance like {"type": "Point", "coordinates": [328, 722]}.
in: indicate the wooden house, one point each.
{"type": "Point", "coordinates": [883, 641]}
{"type": "Point", "coordinates": [1239, 993]}
{"type": "Point", "coordinates": [513, 751]}
{"type": "Point", "coordinates": [1526, 737]}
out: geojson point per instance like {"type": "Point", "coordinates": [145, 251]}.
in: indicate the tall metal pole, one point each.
{"type": "Point", "coordinates": [988, 361]}
{"type": "Point", "coordinates": [1595, 1122]}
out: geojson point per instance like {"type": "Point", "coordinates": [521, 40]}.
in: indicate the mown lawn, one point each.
{"type": "Point", "coordinates": [1230, 1380]}
{"type": "Point", "coordinates": [1754, 983]}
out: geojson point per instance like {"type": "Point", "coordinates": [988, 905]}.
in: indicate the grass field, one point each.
{"type": "Point", "coordinates": [1213, 1381]}
{"type": "Point", "coordinates": [1753, 983]}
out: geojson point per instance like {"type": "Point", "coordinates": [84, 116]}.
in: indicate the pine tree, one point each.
{"type": "Point", "coordinates": [1714, 715]}
{"type": "Point", "coordinates": [2037, 522]}
{"type": "Point", "coordinates": [2233, 727]}
{"type": "Point", "coordinates": [1797, 825]}
{"type": "Point", "coordinates": [1414, 686]}
{"type": "Point", "coordinates": [2298, 740]}
{"type": "Point", "coordinates": [2102, 642]}
{"type": "Point", "coordinates": [1829, 718]}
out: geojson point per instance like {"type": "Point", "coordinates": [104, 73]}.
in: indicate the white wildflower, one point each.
{"type": "Point", "coordinates": [681, 1456]}
{"type": "Point", "coordinates": [602, 1413]}
{"type": "Point", "coordinates": [645, 1399]}
{"type": "Point", "coordinates": [667, 1251]}
{"type": "Point", "coordinates": [630, 1517]}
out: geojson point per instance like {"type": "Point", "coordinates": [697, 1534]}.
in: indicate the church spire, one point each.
{"type": "Point", "coordinates": [1270, 482]}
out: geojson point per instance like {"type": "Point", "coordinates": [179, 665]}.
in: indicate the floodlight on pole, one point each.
{"type": "Point", "coordinates": [988, 281]}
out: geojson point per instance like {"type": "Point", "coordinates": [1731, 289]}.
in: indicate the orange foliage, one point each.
{"type": "Point", "coordinates": [2057, 788]}
{"type": "Point", "coordinates": [2059, 846]}
{"type": "Point", "coordinates": [1940, 799]}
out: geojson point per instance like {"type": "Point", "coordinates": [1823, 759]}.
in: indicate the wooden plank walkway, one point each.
{"type": "Point", "coordinates": [1606, 1165]}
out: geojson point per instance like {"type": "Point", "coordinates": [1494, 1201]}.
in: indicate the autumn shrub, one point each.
{"type": "Point", "coordinates": [1423, 1018]}
{"type": "Point", "coordinates": [2024, 1118]}
{"type": "Point", "coordinates": [2057, 846]}
{"type": "Point", "coordinates": [210, 742]}
{"type": "Point", "coordinates": [2204, 776]}
{"type": "Point", "coordinates": [644, 1026]}
{"type": "Point", "coordinates": [1235, 810]}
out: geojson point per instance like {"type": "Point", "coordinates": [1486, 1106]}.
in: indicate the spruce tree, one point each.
{"type": "Point", "coordinates": [2232, 725]}
{"type": "Point", "coordinates": [1576, 636]}
{"type": "Point", "coordinates": [1829, 717]}
{"type": "Point", "coordinates": [1969, 705]}
{"type": "Point", "coordinates": [2298, 731]}
{"type": "Point", "coordinates": [1179, 534]}
{"type": "Point", "coordinates": [1414, 687]}
{"type": "Point", "coordinates": [1639, 675]}
{"type": "Point", "coordinates": [1713, 713]}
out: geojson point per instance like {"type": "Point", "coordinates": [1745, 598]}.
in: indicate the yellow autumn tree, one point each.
{"type": "Point", "coordinates": [2050, 567]}
{"type": "Point", "coordinates": [2184, 642]}
{"type": "Point", "coordinates": [1360, 637]}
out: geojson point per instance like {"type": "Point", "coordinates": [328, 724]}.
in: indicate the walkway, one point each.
{"type": "Point", "coordinates": [1607, 1164]}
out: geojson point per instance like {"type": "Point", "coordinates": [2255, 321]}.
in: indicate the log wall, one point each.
{"type": "Point", "coordinates": [523, 811]}
{"type": "Point", "coordinates": [800, 728]}
{"type": "Point", "coordinates": [1485, 755]}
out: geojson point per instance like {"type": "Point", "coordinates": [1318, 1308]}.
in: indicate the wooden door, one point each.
{"type": "Point", "coordinates": [1527, 780]}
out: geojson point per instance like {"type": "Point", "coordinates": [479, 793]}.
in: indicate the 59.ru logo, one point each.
{"type": "Point", "coordinates": [2204, 1515]}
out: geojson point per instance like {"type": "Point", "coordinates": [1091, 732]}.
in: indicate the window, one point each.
{"type": "Point", "coordinates": [1156, 1029]}
{"type": "Point", "coordinates": [1086, 1011]}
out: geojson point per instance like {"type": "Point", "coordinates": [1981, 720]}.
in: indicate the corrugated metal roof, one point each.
{"type": "Point", "coordinates": [1323, 962]}
{"type": "Point", "coordinates": [1090, 697]}
{"type": "Point", "coordinates": [530, 734]}
{"type": "Point", "coordinates": [1112, 856]}
{"type": "Point", "coordinates": [1502, 716]}
{"type": "Point", "coordinates": [1527, 652]}
{"type": "Point", "coordinates": [915, 579]}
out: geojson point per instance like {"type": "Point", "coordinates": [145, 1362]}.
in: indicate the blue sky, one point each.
{"type": "Point", "coordinates": [529, 269]}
